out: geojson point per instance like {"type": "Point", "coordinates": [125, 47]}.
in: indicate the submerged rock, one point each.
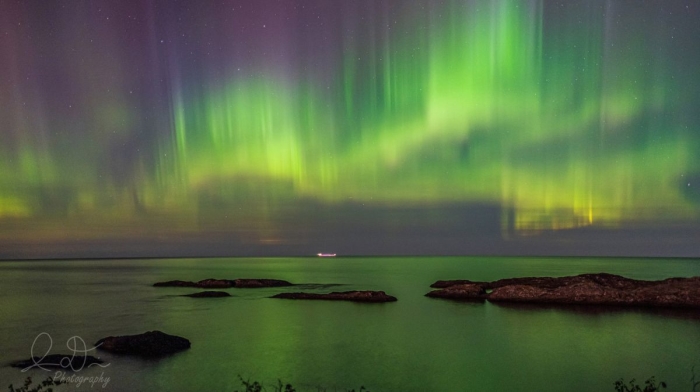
{"type": "Point", "coordinates": [225, 283]}
{"type": "Point", "coordinates": [586, 289]}
{"type": "Point", "coordinates": [149, 344]}
{"type": "Point", "coordinates": [208, 294]}
{"type": "Point", "coordinates": [468, 291]}
{"type": "Point", "coordinates": [356, 296]}
{"type": "Point", "coordinates": [55, 361]}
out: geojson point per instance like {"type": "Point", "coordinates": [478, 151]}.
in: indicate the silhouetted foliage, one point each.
{"type": "Point", "coordinates": [250, 386]}
{"type": "Point", "coordinates": [256, 386]}
{"type": "Point", "coordinates": [43, 386]}
{"type": "Point", "coordinates": [650, 385]}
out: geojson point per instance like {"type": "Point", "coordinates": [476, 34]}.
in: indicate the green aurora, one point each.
{"type": "Point", "coordinates": [555, 115]}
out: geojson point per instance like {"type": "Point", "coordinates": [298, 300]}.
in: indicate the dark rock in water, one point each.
{"type": "Point", "coordinates": [586, 289]}
{"type": "Point", "coordinates": [56, 361]}
{"type": "Point", "coordinates": [258, 283]}
{"type": "Point", "coordinates": [607, 279]}
{"type": "Point", "coordinates": [225, 283]}
{"type": "Point", "coordinates": [149, 344]}
{"type": "Point", "coordinates": [208, 294]}
{"type": "Point", "coordinates": [214, 284]}
{"type": "Point", "coordinates": [606, 290]}
{"type": "Point", "coordinates": [467, 291]}
{"type": "Point", "coordinates": [356, 296]}
{"type": "Point", "coordinates": [443, 284]}
{"type": "Point", "coordinates": [204, 284]}
{"type": "Point", "coordinates": [610, 280]}
{"type": "Point", "coordinates": [175, 283]}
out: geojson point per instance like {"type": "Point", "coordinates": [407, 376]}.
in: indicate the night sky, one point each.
{"type": "Point", "coordinates": [193, 128]}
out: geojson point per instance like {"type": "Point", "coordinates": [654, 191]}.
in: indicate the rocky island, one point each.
{"type": "Point", "coordinates": [225, 283]}
{"type": "Point", "coordinates": [586, 289]}
{"type": "Point", "coordinates": [208, 294]}
{"type": "Point", "coordinates": [354, 296]}
{"type": "Point", "coordinates": [464, 291]}
{"type": "Point", "coordinates": [149, 344]}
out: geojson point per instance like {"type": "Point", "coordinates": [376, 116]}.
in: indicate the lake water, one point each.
{"type": "Point", "coordinates": [415, 344]}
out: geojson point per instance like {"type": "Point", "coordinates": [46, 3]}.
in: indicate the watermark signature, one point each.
{"type": "Point", "coordinates": [63, 378]}
{"type": "Point", "coordinates": [75, 362]}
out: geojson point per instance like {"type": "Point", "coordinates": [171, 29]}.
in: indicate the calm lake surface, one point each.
{"type": "Point", "coordinates": [415, 344]}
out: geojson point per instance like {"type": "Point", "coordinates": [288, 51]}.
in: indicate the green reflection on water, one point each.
{"type": "Point", "coordinates": [414, 344]}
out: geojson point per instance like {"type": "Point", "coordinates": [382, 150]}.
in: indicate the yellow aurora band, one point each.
{"type": "Point", "coordinates": [562, 121]}
{"type": "Point", "coordinates": [483, 109]}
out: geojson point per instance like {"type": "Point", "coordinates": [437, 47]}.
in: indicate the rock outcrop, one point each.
{"type": "Point", "coordinates": [149, 344]}
{"type": "Point", "coordinates": [586, 289]}
{"type": "Point", "coordinates": [443, 284]}
{"type": "Point", "coordinates": [208, 294]}
{"type": "Point", "coordinates": [225, 283]}
{"type": "Point", "coordinates": [465, 291]}
{"type": "Point", "coordinates": [355, 296]}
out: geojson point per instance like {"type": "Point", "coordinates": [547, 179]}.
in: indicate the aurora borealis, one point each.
{"type": "Point", "coordinates": [136, 128]}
